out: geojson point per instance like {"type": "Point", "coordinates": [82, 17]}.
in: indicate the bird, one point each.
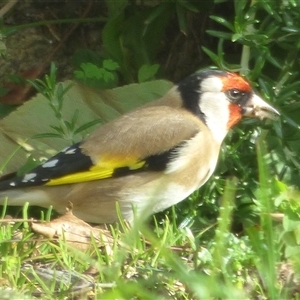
{"type": "Point", "coordinates": [146, 160]}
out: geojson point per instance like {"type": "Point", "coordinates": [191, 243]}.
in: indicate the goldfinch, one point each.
{"type": "Point", "coordinates": [146, 160]}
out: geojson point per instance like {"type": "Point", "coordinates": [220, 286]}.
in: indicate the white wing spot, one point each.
{"type": "Point", "coordinates": [65, 149]}
{"type": "Point", "coordinates": [50, 164]}
{"type": "Point", "coordinates": [12, 184]}
{"type": "Point", "coordinates": [29, 177]}
{"type": "Point", "coordinates": [70, 151]}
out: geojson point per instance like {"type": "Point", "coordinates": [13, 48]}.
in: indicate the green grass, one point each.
{"type": "Point", "coordinates": [159, 260]}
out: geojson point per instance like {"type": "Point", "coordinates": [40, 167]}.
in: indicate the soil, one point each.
{"type": "Point", "coordinates": [30, 51]}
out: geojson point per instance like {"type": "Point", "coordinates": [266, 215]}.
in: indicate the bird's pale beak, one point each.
{"type": "Point", "coordinates": [256, 107]}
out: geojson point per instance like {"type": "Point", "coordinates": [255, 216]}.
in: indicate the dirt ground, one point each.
{"type": "Point", "coordinates": [29, 51]}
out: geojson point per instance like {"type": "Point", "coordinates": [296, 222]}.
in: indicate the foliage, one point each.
{"type": "Point", "coordinates": [267, 36]}
{"type": "Point", "coordinates": [55, 94]}
{"type": "Point", "coordinates": [94, 71]}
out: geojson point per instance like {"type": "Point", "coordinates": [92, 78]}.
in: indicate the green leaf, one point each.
{"type": "Point", "coordinates": [187, 5]}
{"type": "Point", "coordinates": [84, 56]}
{"type": "Point", "coordinates": [110, 65]}
{"type": "Point", "coordinates": [181, 16]}
{"type": "Point", "coordinates": [79, 75]}
{"type": "Point", "coordinates": [147, 72]}
{"type": "Point", "coordinates": [271, 9]}
{"type": "Point", "coordinates": [220, 34]}
{"type": "Point", "coordinates": [291, 222]}
{"type": "Point", "coordinates": [292, 251]}
{"type": "Point", "coordinates": [91, 71]}
{"type": "Point", "coordinates": [214, 57]}
{"type": "Point", "coordinates": [157, 12]}
{"type": "Point", "coordinates": [235, 37]}
{"type": "Point", "coordinates": [111, 38]}
{"type": "Point", "coordinates": [99, 77]}
{"type": "Point", "coordinates": [223, 22]}
{"type": "Point", "coordinates": [107, 76]}
{"type": "Point", "coordinates": [87, 125]}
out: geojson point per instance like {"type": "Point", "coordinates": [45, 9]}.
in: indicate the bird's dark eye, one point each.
{"type": "Point", "coordinates": [235, 95]}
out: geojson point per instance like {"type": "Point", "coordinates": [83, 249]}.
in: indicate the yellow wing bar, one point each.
{"type": "Point", "coordinates": [94, 173]}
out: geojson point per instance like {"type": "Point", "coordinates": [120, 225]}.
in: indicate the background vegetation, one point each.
{"type": "Point", "coordinates": [238, 236]}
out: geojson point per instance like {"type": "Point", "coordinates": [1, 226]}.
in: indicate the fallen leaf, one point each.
{"type": "Point", "coordinates": [75, 232]}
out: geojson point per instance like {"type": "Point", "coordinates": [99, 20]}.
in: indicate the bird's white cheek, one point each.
{"type": "Point", "coordinates": [215, 107]}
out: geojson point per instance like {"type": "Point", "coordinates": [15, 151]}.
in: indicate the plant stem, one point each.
{"type": "Point", "coordinates": [245, 57]}
{"type": "Point", "coordinates": [269, 260]}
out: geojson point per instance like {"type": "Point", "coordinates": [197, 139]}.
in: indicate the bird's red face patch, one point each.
{"type": "Point", "coordinates": [234, 81]}
{"type": "Point", "coordinates": [234, 115]}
